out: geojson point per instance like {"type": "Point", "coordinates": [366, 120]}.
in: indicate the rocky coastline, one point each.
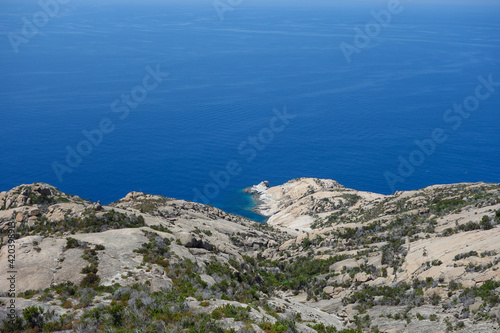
{"type": "Point", "coordinates": [258, 193]}
{"type": "Point", "coordinates": [329, 259]}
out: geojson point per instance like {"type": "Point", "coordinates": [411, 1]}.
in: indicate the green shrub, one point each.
{"type": "Point", "coordinates": [217, 314]}
{"type": "Point", "coordinates": [72, 243]}
{"type": "Point", "coordinates": [161, 228]}
{"type": "Point", "coordinates": [469, 226]}
{"type": "Point", "coordinates": [9, 327]}
{"type": "Point", "coordinates": [100, 247]}
{"type": "Point", "coordinates": [485, 291]}
{"type": "Point", "coordinates": [448, 205]}
{"type": "Point", "coordinates": [91, 280]}
{"type": "Point", "coordinates": [28, 294]}
{"type": "Point", "coordinates": [321, 328]}
{"type": "Point", "coordinates": [34, 316]}
{"type": "Point", "coordinates": [437, 262]}
{"type": "Point", "coordinates": [89, 269]}
{"type": "Point", "coordinates": [486, 223]}
{"type": "Point", "coordinates": [465, 255]}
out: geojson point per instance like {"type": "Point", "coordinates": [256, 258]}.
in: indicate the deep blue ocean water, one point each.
{"type": "Point", "coordinates": [352, 120]}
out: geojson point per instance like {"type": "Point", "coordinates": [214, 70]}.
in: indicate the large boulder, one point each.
{"type": "Point", "coordinates": [35, 212]}
{"type": "Point", "coordinates": [19, 217]}
{"type": "Point", "coordinates": [191, 240]}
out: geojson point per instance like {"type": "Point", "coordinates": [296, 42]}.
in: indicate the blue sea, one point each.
{"type": "Point", "coordinates": [255, 90]}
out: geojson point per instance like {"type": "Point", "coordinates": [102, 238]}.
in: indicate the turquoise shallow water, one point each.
{"type": "Point", "coordinates": [350, 121]}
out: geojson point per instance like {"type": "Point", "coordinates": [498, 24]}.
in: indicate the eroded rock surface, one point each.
{"type": "Point", "coordinates": [418, 261]}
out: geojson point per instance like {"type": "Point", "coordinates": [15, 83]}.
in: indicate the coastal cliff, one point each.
{"type": "Point", "coordinates": [329, 259]}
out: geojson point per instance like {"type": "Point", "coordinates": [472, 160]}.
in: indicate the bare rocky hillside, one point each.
{"type": "Point", "coordinates": [330, 259]}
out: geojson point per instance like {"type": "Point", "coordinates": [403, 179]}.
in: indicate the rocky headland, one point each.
{"type": "Point", "coordinates": [329, 259]}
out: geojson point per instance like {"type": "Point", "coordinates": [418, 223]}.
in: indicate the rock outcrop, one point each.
{"type": "Point", "coordinates": [440, 243]}
{"type": "Point", "coordinates": [329, 258]}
